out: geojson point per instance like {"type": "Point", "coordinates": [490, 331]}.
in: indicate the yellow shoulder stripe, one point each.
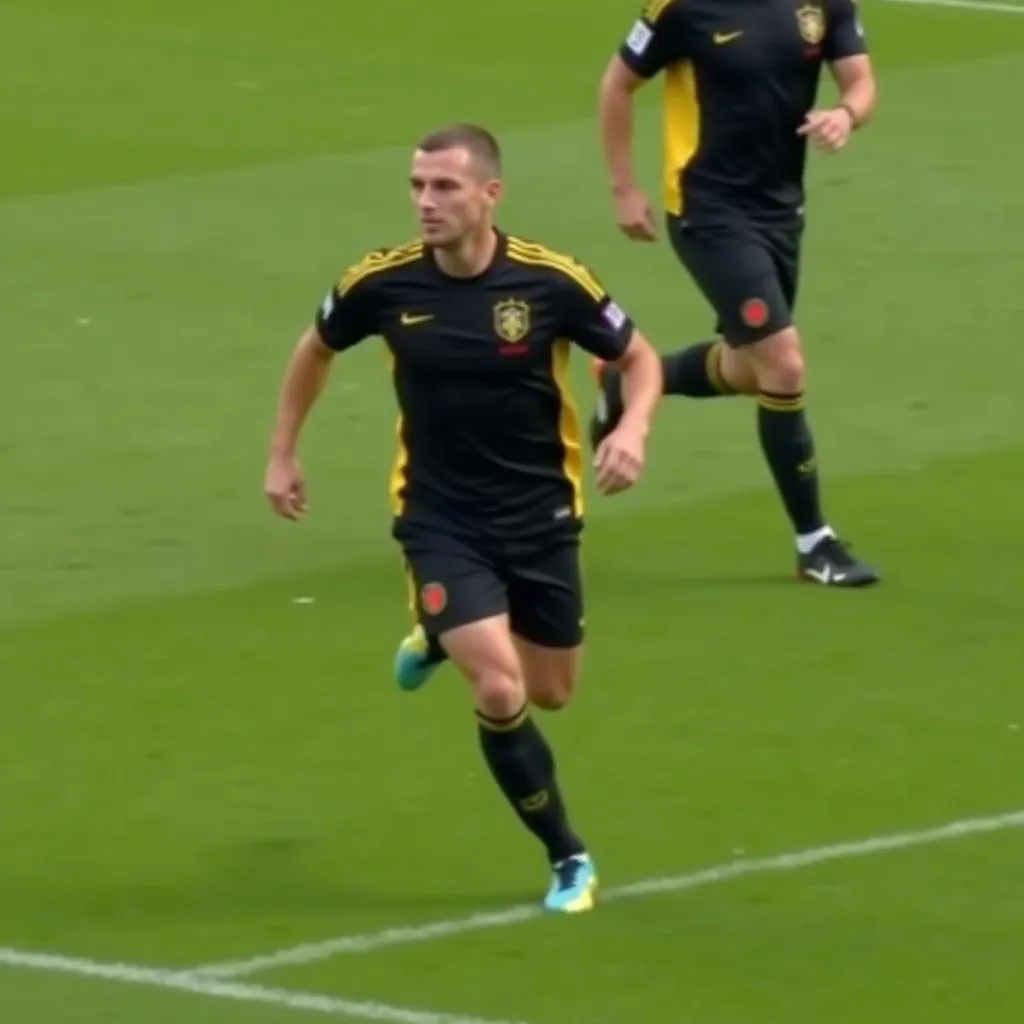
{"type": "Point", "coordinates": [654, 9]}
{"type": "Point", "coordinates": [540, 256]}
{"type": "Point", "coordinates": [377, 261]}
{"type": "Point", "coordinates": [527, 245]}
{"type": "Point", "coordinates": [582, 278]}
{"type": "Point", "coordinates": [538, 249]}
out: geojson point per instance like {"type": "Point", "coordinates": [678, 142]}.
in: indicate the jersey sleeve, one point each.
{"type": "Point", "coordinates": [845, 34]}
{"type": "Point", "coordinates": [658, 38]}
{"type": "Point", "coordinates": [592, 318]}
{"type": "Point", "coordinates": [348, 313]}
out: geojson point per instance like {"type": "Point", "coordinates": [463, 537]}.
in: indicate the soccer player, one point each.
{"type": "Point", "coordinates": [487, 486]}
{"type": "Point", "coordinates": [740, 87]}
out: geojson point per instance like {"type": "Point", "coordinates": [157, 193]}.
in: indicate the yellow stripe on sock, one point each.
{"type": "Point", "coordinates": [504, 724]}
{"type": "Point", "coordinates": [780, 403]}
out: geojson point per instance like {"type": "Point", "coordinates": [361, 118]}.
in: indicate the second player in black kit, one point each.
{"type": "Point", "coordinates": [740, 81]}
{"type": "Point", "coordinates": [487, 486]}
{"type": "Point", "coordinates": [740, 78]}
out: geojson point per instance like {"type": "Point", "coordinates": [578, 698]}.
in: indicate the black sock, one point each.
{"type": "Point", "coordinates": [696, 371]}
{"type": "Point", "coordinates": [524, 768]}
{"type": "Point", "coordinates": [435, 652]}
{"type": "Point", "coordinates": [789, 449]}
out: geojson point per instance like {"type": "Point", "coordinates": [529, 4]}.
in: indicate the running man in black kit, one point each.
{"type": "Point", "coordinates": [740, 85]}
{"type": "Point", "coordinates": [487, 484]}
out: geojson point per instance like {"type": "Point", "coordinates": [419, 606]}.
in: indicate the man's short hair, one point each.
{"type": "Point", "coordinates": [480, 143]}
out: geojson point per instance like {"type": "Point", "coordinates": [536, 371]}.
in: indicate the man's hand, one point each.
{"type": "Point", "coordinates": [619, 459]}
{"type": "Point", "coordinates": [286, 487]}
{"type": "Point", "coordinates": [829, 130]}
{"type": "Point", "coordinates": [634, 215]}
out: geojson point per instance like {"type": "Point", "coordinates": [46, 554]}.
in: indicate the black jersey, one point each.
{"type": "Point", "coordinates": [488, 432]}
{"type": "Point", "coordinates": [740, 76]}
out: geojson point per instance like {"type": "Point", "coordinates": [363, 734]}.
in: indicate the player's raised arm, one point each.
{"type": "Point", "coordinates": [656, 40]}
{"type": "Point", "coordinates": [342, 321]}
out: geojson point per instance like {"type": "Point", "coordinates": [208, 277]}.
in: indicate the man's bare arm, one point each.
{"type": "Point", "coordinates": [304, 380]}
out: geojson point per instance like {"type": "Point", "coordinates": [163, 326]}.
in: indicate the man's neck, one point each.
{"type": "Point", "coordinates": [471, 257]}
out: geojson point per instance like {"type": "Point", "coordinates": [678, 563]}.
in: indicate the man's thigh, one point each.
{"type": "Point", "coordinates": [737, 269]}
{"type": "Point", "coordinates": [545, 592]}
{"type": "Point", "coordinates": [453, 581]}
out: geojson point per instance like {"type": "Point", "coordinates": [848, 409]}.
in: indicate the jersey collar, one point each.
{"type": "Point", "coordinates": [496, 259]}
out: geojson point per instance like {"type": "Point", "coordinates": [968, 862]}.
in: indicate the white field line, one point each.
{"type": "Point", "coordinates": [967, 5]}
{"type": "Point", "coordinates": [347, 944]}
{"type": "Point", "coordinates": [186, 981]}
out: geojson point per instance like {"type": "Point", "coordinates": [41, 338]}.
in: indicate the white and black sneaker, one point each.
{"type": "Point", "coordinates": [830, 563]}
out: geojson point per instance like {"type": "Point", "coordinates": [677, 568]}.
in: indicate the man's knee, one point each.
{"type": "Point", "coordinates": [777, 362]}
{"type": "Point", "coordinates": [486, 656]}
{"type": "Point", "coordinates": [736, 371]}
{"type": "Point", "coordinates": [550, 673]}
{"type": "Point", "coordinates": [551, 694]}
{"type": "Point", "coordinates": [500, 692]}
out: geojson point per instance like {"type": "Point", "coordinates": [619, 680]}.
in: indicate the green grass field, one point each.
{"type": "Point", "coordinates": [203, 757]}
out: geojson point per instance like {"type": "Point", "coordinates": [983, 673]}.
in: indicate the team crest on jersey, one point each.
{"type": "Point", "coordinates": [512, 320]}
{"type": "Point", "coordinates": [811, 20]}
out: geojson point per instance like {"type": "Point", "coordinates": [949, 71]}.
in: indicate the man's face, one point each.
{"type": "Point", "coordinates": [454, 194]}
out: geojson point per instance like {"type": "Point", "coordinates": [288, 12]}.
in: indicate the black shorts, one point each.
{"type": "Point", "coordinates": [456, 580]}
{"type": "Point", "coordinates": [747, 272]}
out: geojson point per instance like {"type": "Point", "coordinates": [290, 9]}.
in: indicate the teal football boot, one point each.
{"type": "Point", "coordinates": [413, 664]}
{"type": "Point", "coordinates": [573, 887]}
